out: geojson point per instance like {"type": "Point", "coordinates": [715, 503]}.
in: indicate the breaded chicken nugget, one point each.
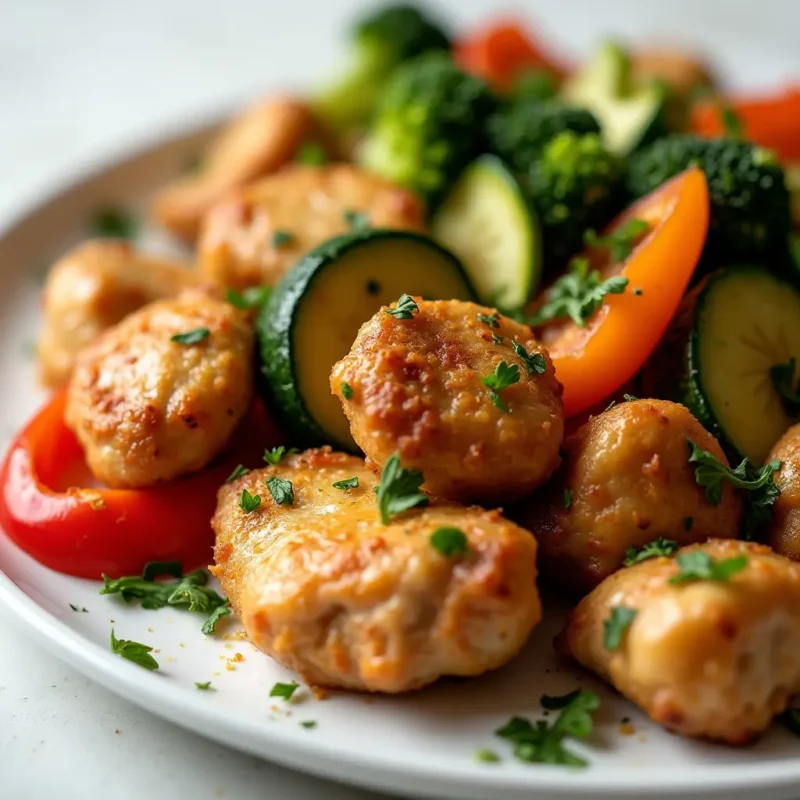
{"type": "Point", "coordinates": [711, 658]}
{"type": "Point", "coordinates": [626, 480]}
{"type": "Point", "coordinates": [158, 395]}
{"type": "Point", "coordinates": [328, 591]}
{"type": "Point", "coordinates": [784, 534]}
{"type": "Point", "coordinates": [257, 234]}
{"type": "Point", "coordinates": [423, 387]}
{"type": "Point", "coordinates": [253, 144]}
{"type": "Point", "coordinates": [92, 288]}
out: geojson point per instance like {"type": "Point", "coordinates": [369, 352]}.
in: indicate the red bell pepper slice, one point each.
{"type": "Point", "coordinates": [49, 508]}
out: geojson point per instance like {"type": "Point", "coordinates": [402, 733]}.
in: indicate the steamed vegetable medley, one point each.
{"type": "Point", "coordinates": [507, 320]}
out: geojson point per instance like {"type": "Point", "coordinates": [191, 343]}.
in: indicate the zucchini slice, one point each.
{"type": "Point", "coordinates": [313, 316]}
{"type": "Point", "coordinates": [746, 322]}
{"type": "Point", "coordinates": [487, 222]}
{"type": "Point", "coordinates": [629, 116]}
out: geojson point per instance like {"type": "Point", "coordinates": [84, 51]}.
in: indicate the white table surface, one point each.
{"type": "Point", "coordinates": [80, 79]}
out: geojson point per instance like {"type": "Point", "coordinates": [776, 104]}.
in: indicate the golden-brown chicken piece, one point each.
{"type": "Point", "coordinates": [255, 143]}
{"type": "Point", "coordinates": [784, 533]}
{"type": "Point", "coordinates": [92, 288]}
{"type": "Point", "coordinates": [417, 390]}
{"type": "Point", "coordinates": [328, 591]}
{"type": "Point", "coordinates": [256, 235]}
{"type": "Point", "coordinates": [712, 659]}
{"type": "Point", "coordinates": [626, 480]}
{"type": "Point", "coordinates": [158, 395]}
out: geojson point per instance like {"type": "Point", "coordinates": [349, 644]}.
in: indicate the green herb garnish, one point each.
{"type": "Point", "coordinates": [191, 337]}
{"type": "Point", "coordinates": [405, 308]}
{"type": "Point", "coordinates": [620, 242]}
{"type": "Point", "coordinates": [492, 320]}
{"type": "Point", "coordinates": [486, 756]}
{"type": "Point", "coordinates": [248, 299]}
{"type": "Point", "coordinates": [497, 339]}
{"type": "Point", "coordinates": [699, 566]}
{"type": "Point", "coordinates": [249, 502]}
{"type": "Point", "coordinates": [577, 295]}
{"type": "Point", "coordinates": [134, 651]}
{"type": "Point", "coordinates": [113, 222]}
{"type": "Point", "coordinates": [567, 503]}
{"type": "Point", "coordinates": [284, 690]}
{"type": "Point", "coordinates": [655, 549]}
{"type": "Point", "coordinates": [210, 625]}
{"type": "Point", "coordinates": [281, 490]}
{"type": "Point", "coordinates": [203, 687]}
{"type": "Point", "coordinates": [237, 473]}
{"type": "Point", "coordinates": [398, 490]}
{"type": "Point", "coordinates": [615, 626]}
{"type": "Point", "coordinates": [357, 221]}
{"type": "Point", "coordinates": [79, 608]}
{"type": "Point", "coordinates": [309, 724]}
{"type": "Point", "coordinates": [450, 542]}
{"type": "Point", "coordinates": [535, 363]}
{"type": "Point", "coordinates": [348, 483]}
{"type": "Point", "coordinates": [282, 238]}
{"type": "Point", "coordinates": [554, 702]}
{"type": "Point", "coordinates": [274, 455]}
{"type": "Point", "coordinates": [782, 376]}
{"type": "Point", "coordinates": [347, 390]}
{"type": "Point", "coordinates": [502, 377]}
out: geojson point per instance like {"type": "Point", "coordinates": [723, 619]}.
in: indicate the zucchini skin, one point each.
{"type": "Point", "coordinates": [276, 321]}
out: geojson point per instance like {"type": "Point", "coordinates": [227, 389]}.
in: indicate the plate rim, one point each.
{"type": "Point", "coordinates": [314, 755]}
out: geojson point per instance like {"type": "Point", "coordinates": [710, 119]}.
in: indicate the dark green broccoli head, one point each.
{"type": "Point", "coordinates": [750, 205]}
{"type": "Point", "coordinates": [573, 185]}
{"type": "Point", "coordinates": [518, 132]}
{"type": "Point", "coordinates": [429, 126]}
{"type": "Point", "coordinates": [380, 42]}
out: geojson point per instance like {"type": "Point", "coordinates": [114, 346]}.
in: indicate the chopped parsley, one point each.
{"type": "Point", "coordinates": [626, 398]}
{"type": "Point", "coordinates": [555, 702]}
{"type": "Point", "coordinates": [567, 498]}
{"type": "Point", "coordinates": [759, 484]}
{"type": "Point", "coordinates": [134, 651]}
{"type": "Point", "coordinates": [210, 625]}
{"type": "Point", "coordinates": [284, 690]}
{"type": "Point", "coordinates": [497, 339]}
{"type": "Point", "coordinates": [281, 490]}
{"type": "Point", "coordinates": [312, 154]}
{"type": "Point", "coordinates": [502, 377]}
{"type": "Point", "coordinates": [450, 542]}
{"type": "Point", "coordinates": [578, 295]}
{"type": "Point", "coordinates": [543, 743]}
{"type": "Point", "coordinates": [308, 724]}
{"type": "Point", "coordinates": [347, 390]}
{"type": "Point", "coordinates": [616, 625]}
{"type": "Point", "coordinates": [249, 502]}
{"type": "Point", "coordinates": [399, 490]}
{"type": "Point", "coordinates": [655, 549]}
{"type": "Point", "coordinates": [203, 687]}
{"type": "Point", "coordinates": [113, 222]}
{"type": "Point", "coordinates": [536, 364]}
{"type": "Point", "coordinates": [282, 238]}
{"type": "Point", "coordinates": [275, 455]}
{"type": "Point", "coordinates": [619, 243]}
{"type": "Point", "coordinates": [237, 473]}
{"type": "Point", "coordinates": [357, 221]}
{"type": "Point", "coordinates": [191, 337]}
{"type": "Point", "coordinates": [486, 756]}
{"type": "Point", "coordinates": [79, 608]}
{"type": "Point", "coordinates": [348, 483]}
{"type": "Point", "coordinates": [782, 376]}
{"type": "Point", "coordinates": [253, 297]}
{"type": "Point", "coordinates": [699, 566]}
{"type": "Point", "coordinates": [405, 308]}
{"type": "Point", "coordinates": [492, 320]}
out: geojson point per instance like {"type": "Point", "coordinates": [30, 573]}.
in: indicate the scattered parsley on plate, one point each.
{"type": "Point", "coordinates": [504, 375]}
{"type": "Point", "coordinates": [405, 309]}
{"type": "Point", "coordinates": [616, 625]}
{"type": "Point", "coordinates": [450, 542]}
{"type": "Point", "coordinates": [134, 651]}
{"type": "Point", "coordinates": [398, 490]}
{"type": "Point", "coordinates": [191, 337]}
{"type": "Point", "coordinates": [658, 547]}
{"type": "Point", "coordinates": [284, 690]}
{"type": "Point", "coordinates": [281, 490]}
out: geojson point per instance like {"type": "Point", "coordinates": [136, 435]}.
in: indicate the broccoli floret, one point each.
{"type": "Point", "coordinates": [429, 126]}
{"type": "Point", "coordinates": [750, 205]}
{"type": "Point", "coordinates": [574, 186]}
{"type": "Point", "coordinates": [518, 132]}
{"type": "Point", "coordinates": [379, 44]}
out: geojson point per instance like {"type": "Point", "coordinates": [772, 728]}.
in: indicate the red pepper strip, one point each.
{"type": "Point", "coordinates": [90, 531]}
{"type": "Point", "coordinates": [771, 121]}
{"type": "Point", "coordinates": [501, 52]}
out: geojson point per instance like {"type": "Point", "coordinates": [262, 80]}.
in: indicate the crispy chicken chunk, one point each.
{"type": "Point", "coordinates": [328, 591]}
{"type": "Point", "coordinates": [256, 235]}
{"type": "Point", "coordinates": [784, 534]}
{"type": "Point", "coordinates": [418, 389]}
{"type": "Point", "coordinates": [626, 480]}
{"type": "Point", "coordinates": [92, 288]}
{"type": "Point", "coordinates": [148, 408]}
{"type": "Point", "coordinates": [712, 659]}
{"type": "Point", "coordinates": [255, 143]}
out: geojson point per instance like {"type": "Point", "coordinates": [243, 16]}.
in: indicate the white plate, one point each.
{"type": "Point", "coordinates": [421, 744]}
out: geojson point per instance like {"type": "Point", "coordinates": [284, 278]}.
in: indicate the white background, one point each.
{"type": "Point", "coordinates": [81, 80]}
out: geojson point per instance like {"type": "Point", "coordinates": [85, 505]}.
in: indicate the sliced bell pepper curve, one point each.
{"type": "Point", "coordinates": [594, 362]}
{"type": "Point", "coordinates": [50, 509]}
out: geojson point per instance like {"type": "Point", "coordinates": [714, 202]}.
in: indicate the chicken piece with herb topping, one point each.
{"type": "Point", "coordinates": [327, 589]}
{"type": "Point", "coordinates": [461, 392]}
{"type": "Point", "coordinates": [626, 479]}
{"type": "Point", "coordinates": [257, 234]}
{"type": "Point", "coordinates": [159, 395]}
{"type": "Point", "coordinates": [784, 533]}
{"type": "Point", "coordinates": [707, 642]}
{"type": "Point", "coordinates": [92, 288]}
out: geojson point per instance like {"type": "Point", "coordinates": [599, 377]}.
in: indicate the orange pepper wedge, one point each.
{"type": "Point", "coordinates": [595, 361]}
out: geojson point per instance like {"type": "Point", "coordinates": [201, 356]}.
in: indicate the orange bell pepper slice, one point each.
{"type": "Point", "coordinates": [91, 531]}
{"type": "Point", "coordinates": [500, 52]}
{"type": "Point", "coordinates": [771, 121]}
{"type": "Point", "coordinates": [595, 361]}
